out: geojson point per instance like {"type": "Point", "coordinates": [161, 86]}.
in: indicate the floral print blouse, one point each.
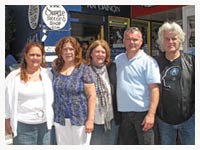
{"type": "Point", "coordinates": [70, 100]}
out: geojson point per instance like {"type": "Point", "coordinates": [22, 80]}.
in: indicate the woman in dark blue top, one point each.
{"type": "Point", "coordinates": [74, 91]}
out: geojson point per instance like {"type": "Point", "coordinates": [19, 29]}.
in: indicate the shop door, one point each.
{"type": "Point", "coordinates": [87, 32]}
{"type": "Point", "coordinates": [87, 27]}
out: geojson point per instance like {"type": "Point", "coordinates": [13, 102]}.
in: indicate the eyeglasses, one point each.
{"type": "Point", "coordinates": [68, 48]}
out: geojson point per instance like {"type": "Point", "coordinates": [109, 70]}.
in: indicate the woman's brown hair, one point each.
{"type": "Point", "coordinates": [23, 64]}
{"type": "Point", "coordinates": [94, 44]}
{"type": "Point", "coordinates": [59, 62]}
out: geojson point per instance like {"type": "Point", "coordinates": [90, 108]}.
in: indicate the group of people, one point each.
{"type": "Point", "coordinates": [97, 101]}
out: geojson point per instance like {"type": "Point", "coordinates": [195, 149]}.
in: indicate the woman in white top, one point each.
{"type": "Point", "coordinates": [29, 98]}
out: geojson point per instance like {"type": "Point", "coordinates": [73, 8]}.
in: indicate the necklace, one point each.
{"type": "Point", "coordinates": [68, 71]}
{"type": "Point", "coordinates": [33, 75]}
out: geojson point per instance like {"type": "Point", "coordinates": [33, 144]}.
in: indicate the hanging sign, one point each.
{"type": "Point", "coordinates": [55, 16]}
{"type": "Point", "coordinates": [33, 16]}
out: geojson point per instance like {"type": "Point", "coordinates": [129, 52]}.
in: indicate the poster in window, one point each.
{"type": "Point", "coordinates": [117, 26]}
{"type": "Point", "coordinates": [116, 36]}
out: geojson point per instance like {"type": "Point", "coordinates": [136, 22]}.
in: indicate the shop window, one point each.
{"type": "Point", "coordinates": [116, 27]}
{"type": "Point", "coordinates": [154, 36]}
{"type": "Point", "coordinates": [86, 28]}
{"type": "Point", "coordinates": [189, 28]}
{"type": "Point", "coordinates": [191, 34]}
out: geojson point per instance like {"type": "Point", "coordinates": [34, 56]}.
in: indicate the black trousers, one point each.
{"type": "Point", "coordinates": [130, 130]}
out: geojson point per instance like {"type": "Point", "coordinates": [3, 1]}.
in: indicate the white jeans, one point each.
{"type": "Point", "coordinates": [71, 135]}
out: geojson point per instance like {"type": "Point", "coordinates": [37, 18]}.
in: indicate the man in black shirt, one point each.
{"type": "Point", "coordinates": [175, 112]}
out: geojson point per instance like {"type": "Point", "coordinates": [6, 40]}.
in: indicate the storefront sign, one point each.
{"type": "Point", "coordinates": [55, 16]}
{"type": "Point", "coordinates": [114, 10]}
{"type": "Point", "coordinates": [33, 16]}
{"type": "Point", "coordinates": [50, 49]}
{"type": "Point", "coordinates": [107, 8]}
{"type": "Point", "coordinates": [142, 10]}
{"type": "Point", "coordinates": [50, 54]}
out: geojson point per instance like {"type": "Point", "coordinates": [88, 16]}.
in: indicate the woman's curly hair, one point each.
{"type": "Point", "coordinates": [59, 62]}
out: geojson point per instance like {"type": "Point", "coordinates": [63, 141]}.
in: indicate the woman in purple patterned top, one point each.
{"type": "Point", "coordinates": [74, 90]}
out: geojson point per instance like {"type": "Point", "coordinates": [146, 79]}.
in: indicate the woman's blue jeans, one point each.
{"type": "Point", "coordinates": [36, 134]}
{"type": "Point", "coordinates": [100, 137]}
{"type": "Point", "coordinates": [185, 131]}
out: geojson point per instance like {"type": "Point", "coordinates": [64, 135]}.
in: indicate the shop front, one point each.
{"type": "Point", "coordinates": [49, 23]}
{"type": "Point", "coordinates": [102, 22]}
{"type": "Point", "coordinates": [91, 22]}
{"type": "Point", "coordinates": [150, 17]}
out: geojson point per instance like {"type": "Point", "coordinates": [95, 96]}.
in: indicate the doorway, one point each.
{"type": "Point", "coordinates": [87, 27]}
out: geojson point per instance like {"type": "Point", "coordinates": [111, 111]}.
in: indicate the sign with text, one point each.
{"type": "Point", "coordinates": [112, 10]}
{"type": "Point", "coordinates": [55, 16]}
{"type": "Point", "coordinates": [142, 10]}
